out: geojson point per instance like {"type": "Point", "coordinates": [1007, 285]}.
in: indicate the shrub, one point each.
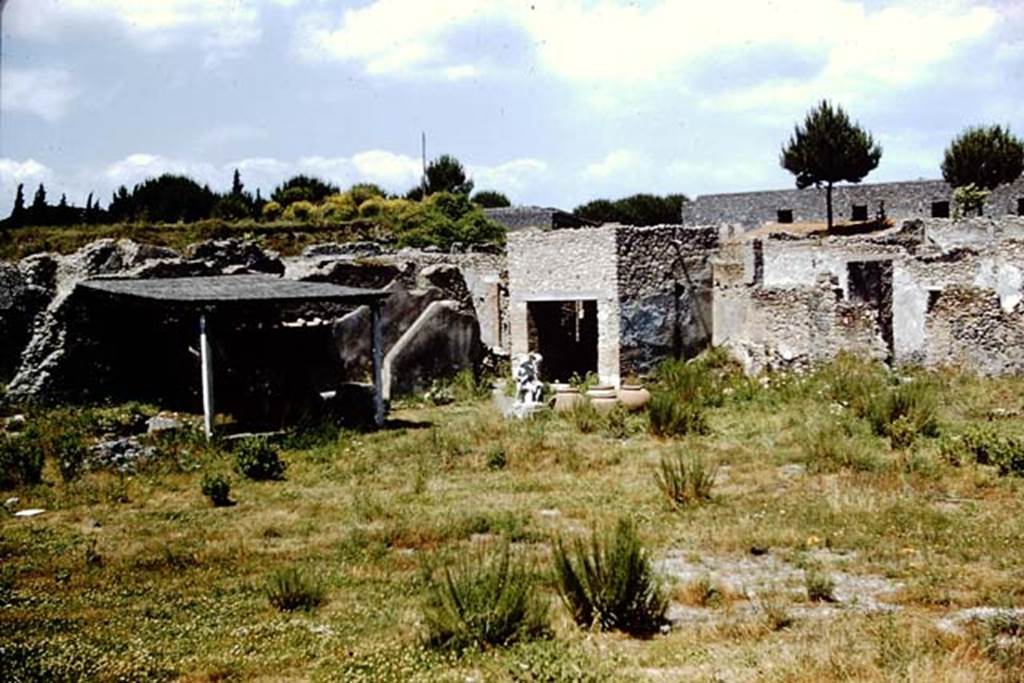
{"type": "Point", "coordinates": [671, 415]}
{"type": "Point", "coordinates": [685, 479]}
{"type": "Point", "coordinates": [904, 412]}
{"type": "Point", "coordinates": [70, 450]}
{"type": "Point", "coordinates": [256, 459]}
{"type": "Point", "coordinates": [271, 211]}
{"type": "Point", "coordinates": [290, 589]}
{"type": "Point", "coordinates": [820, 586]}
{"type": "Point", "coordinates": [301, 210]}
{"type": "Point", "coordinates": [336, 208]}
{"type": "Point", "coordinates": [986, 446]}
{"type": "Point", "coordinates": [21, 460]}
{"type": "Point", "coordinates": [484, 600]}
{"type": "Point", "coordinates": [609, 583]}
{"type": "Point", "coordinates": [217, 489]}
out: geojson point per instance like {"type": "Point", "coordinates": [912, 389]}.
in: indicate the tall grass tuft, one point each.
{"type": "Point", "coordinates": [671, 415]}
{"type": "Point", "coordinates": [486, 600]}
{"type": "Point", "coordinates": [834, 443]}
{"type": "Point", "coordinates": [584, 416]}
{"type": "Point", "coordinates": [685, 479]}
{"type": "Point", "coordinates": [258, 460]}
{"type": "Point", "coordinates": [609, 584]}
{"type": "Point", "coordinates": [291, 589]}
{"type": "Point", "coordinates": [904, 412]}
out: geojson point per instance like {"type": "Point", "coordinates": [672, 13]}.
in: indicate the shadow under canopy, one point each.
{"type": "Point", "coordinates": [258, 347]}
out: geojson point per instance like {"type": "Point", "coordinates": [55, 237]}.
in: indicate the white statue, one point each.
{"type": "Point", "coordinates": [529, 388]}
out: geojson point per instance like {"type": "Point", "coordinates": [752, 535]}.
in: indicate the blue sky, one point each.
{"type": "Point", "coordinates": [553, 102]}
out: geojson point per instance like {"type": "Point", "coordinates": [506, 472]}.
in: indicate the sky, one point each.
{"type": "Point", "coordinates": [553, 102]}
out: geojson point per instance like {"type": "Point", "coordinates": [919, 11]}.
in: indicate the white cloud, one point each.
{"type": "Point", "coordinates": [512, 177]}
{"type": "Point", "coordinates": [855, 48]}
{"type": "Point", "coordinates": [44, 92]}
{"type": "Point", "coordinates": [387, 168]}
{"type": "Point", "coordinates": [13, 173]}
{"type": "Point", "coordinates": [222, 28]}
{"type": "Point", "coordinates": [616, 164]}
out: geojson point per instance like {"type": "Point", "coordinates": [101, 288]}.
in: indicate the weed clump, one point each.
{"type": "Point", "coordinates": [291, 589]}
{"type": "Point", "coordinates": [671, 415]}
{"type": "Point", "coordinates": [685, 479]}
{"type": "Point", "coordinates": [832, 444]}
{"type": "Point", "coordinates": [609, 584]}
{"type": "Point", "coordinates": [257, 459]}
{"type": "Point", "coordinates": [584, 416]}
{"type": "Point", "coordinates": [217, 488]}
{"type": "Point", "coordinates": [904, 412]}
{"type": "Point", "coordinates": [820, 586]}
{"type": "Point", "coordinates": [985, 446]}
{"type": "Point", "coordinates": [481, 602]}
{"type": "Point", "coordinates": [21, 460]}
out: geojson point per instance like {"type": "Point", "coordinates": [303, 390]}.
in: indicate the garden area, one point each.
{"type": "Point", "coordinates": [845, 523]}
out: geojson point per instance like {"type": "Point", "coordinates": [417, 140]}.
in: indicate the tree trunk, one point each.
{"type": "Point", "coordinates": [828, 203]}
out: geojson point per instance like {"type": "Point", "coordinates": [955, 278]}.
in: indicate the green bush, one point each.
{"type": "Point", "coordinates": [685, 479]}
{"type": "Point", "coordinates": [69, 448]}
{"type": "Point", "coordinates": [257, 459]}
{"type": "Point", "coordinates": [217, 488]}
{"type": "Point", "coordinates": [271, 211]}
{"type": "Point", "coordinates": [486, 600]}
{"type": "Point", "coordinates": [291, 589]}
{"type": "Point", "coordinates": [608, 583]}
{"type": "Point", "coordinates": [904, 412]}
{"type": "Point", "coordinates": [300, 210]}
{"type": "Point", "coordinates": [21, 460]}
{"type": "Point", "coordinates": [671, 415]}
{"type": "Point", "coordinates": [985, 446]}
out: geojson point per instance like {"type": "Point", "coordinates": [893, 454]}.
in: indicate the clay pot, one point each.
{"type": "Point", "coordinates": [603, 398]}
{"type": "Point", "coordinates": [634, 396]}
{"type": "Point", "coordinates": [566, 398]}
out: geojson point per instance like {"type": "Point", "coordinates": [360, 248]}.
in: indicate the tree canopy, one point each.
{"type": "Point", "coordinates": [637, 209]}
{"type": "Point", "coordinates": [446, 174]}
{"type": "Point", "coordinates": [829, 148]}
{"type": "Point", "coordinates": [302, 188]}
{"type": "Point", "coordinates": [986, 156]}
{"type": "Point", "coordinates": [491, 199]}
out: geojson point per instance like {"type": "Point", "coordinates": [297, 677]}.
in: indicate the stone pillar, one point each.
{"type": "Point", "coordinates": [377, 352]}
{"type": "Point", "coordinates": [206, 365]}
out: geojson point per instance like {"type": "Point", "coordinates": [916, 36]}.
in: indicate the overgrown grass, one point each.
{"type": "Point", "coordinates": [292, 589]}
{"type": "Point", "coordinates": [608, 583]}
{"type": "Point", "coordinates": [482, 601]}
{"type": "Point", "coordinates": [685, 479]}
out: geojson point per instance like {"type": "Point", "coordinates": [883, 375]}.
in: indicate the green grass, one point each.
{"type": "Point", "coordinates": [140, 577]}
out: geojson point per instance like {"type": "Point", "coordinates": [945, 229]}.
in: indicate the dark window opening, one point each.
{"type": "Point", "coordinates": [785, 215]}
{"type": "Point", "coordinates": [1020, 206]}
{"type": "Point", "coordinates": [940, 209]}
{"type": "Point", "coordinates": [564, 333]}
{"type": "Point", "coordinates": [859, 212]}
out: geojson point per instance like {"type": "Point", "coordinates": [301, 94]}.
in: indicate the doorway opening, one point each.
{"type": "Point", "coordinates": [564, 333]}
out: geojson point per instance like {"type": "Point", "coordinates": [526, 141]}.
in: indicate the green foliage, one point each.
{"type": "Point", "coordinates": [637, 209]}
{"type": "Point", "coordinates": [302, 188]}
{"type": "Point", "coordinates": [169, 198]}
{"type": "Point", "coordinates": [837, 442]}
{"type": "Point", "coordinates": [584, 416]}
{"type": "Point", "coordinates": [671, 415]}
{"type": "Point", "coordinates": [360, 192]}
{"type": "Point", "coordinates": [968, 200]}
{"type": "Point", "coordinates": [985, 156]}
{"type": "Point", "coordinates": [257, 459]}
{"type": "Point", "coordinates": [609, 584]}
{"type": "Point", "coordinates": [829, 148]}
{"type": "Point", "coordinates": [685, 479]}
{"type": "Point", "coordinates": [490, 199]}
{"type": "Point", "coordinates": [904, 412]}
{"type": "Point", "coordinates": [291, 589]}
{"type": "Point", "coordinates": [446, 174]}
{"type": "Point", "coordinates": [483, 600]}
{"type": "Point", "coordinates": [21, 460]}
{"type": "Point", "coordinates": [986, 446]}
{"type": "Point", "coordinates": [299, 210]}
{"type": "Point", "coordinates": [217, 488]}
{"type": "Point", "coordinates": [820, 586]}
{"type": "Point", "coordinates": [851, 381]}
{"type": "Point", "coordinates": [271, 211]}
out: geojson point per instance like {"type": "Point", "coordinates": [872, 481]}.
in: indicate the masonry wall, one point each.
{"type": "Point", "coordinates": [566, 265]}
{"type": "Point", "coordinates": [664, 285]}
{"type": "Point", "coordinates": [903, 200]}
{"type": "Point", "coordinates": [955, 297]}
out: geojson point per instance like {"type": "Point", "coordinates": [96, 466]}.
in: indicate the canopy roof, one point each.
{"type": "Point", "coordinates": [232, 289]}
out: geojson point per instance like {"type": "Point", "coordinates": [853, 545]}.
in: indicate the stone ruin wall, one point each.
{"type": "Point", "coordinates": [566, 265]}
{"type": "Point", "coordinates": [664, 285]}
{"type": "Point", "coordinates": [903, 200]}
{"type": "Point", "coordinates": [955, 298]}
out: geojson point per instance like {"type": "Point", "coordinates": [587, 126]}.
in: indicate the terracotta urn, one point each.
{"type": "Point", "coordinates": [567, 397]}
{"type": "Point", "coordinates": [603, 397]}
{"type": "Point", "coordinates": [634, 396]}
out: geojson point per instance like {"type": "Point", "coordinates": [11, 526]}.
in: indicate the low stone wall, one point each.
{"type": "Point", "coordinates": [903, 201]}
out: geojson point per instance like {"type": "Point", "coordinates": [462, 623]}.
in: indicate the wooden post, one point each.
{"type": "Point", "coordinates": [206, 362]}
{"type": "Point", "coordinates": [377, 351]}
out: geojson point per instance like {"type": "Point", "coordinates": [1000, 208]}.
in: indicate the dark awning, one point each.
{"type": "Point", "coordinates": [232, 289]}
